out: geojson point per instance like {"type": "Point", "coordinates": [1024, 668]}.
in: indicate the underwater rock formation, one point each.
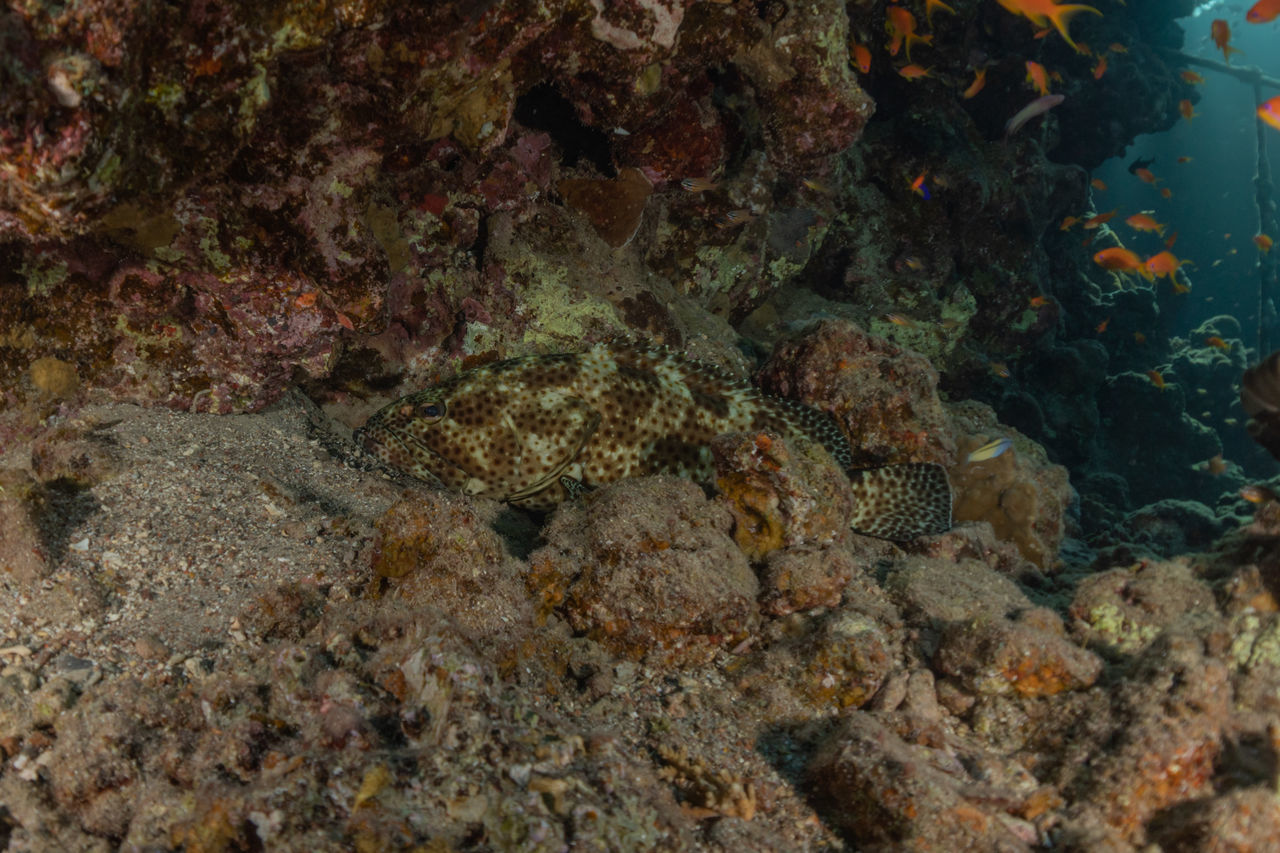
{"type": "Point", "coordinates": [634, 566]}
{"type": "Point", "coordinates": [884, 397]}
{"type": "Point", "coordinates": [218, 636]}
{"type": "Point", "coordinates": [780, 497]}
{"type": "Point", "coordinates": [1019, 493]}
{"type": "Point", "coordinates": [271, 183]}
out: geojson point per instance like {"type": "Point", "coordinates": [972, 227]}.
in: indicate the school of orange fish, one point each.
{"type": "Point", "coordinates": [1047, 16]}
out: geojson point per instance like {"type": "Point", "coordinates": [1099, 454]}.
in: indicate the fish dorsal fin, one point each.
{"type": "Point", "coordinates": [901, 502]}
{"type": "Point", "coordinates": [552, 452]}
{"type": "Point", "coordinates": [820, 426]}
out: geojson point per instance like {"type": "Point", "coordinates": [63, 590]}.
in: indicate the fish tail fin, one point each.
{"type": "Point", "coordinates": [1062, 16]}
{"type": "Point", "coordinates": [912, 37]}
{"type": "Point", "coordinates": [933, 7]}
{"type": "Point", "coordinates": [901, 502]}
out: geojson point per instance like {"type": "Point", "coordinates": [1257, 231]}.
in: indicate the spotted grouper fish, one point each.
{"type": "Point", "coordinates": [538, 430]}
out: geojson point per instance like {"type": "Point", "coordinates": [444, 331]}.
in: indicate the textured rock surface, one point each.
{"type": "Point", "coordinates": [884, 397]}
{"type": "Point", "coordinates": [781, 496]}
{"type": "Point", "coordinates": [1019, 493]}
{"type": "Point", "coordinates": [230, 628]}
{"type": "Point", "coordinates": [648, 569]}
{"type": "Point", "coordinates": [216, 637]}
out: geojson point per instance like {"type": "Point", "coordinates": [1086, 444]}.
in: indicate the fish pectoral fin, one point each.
{"type": "Point", "coordinates": [580, 421]}
{"type": "Point", "coordinates": [901, 502]}
{"type": "Point", "coordinates": [574, 488]}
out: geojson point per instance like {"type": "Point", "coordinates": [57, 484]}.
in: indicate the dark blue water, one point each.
{"type": "Point", "coordinates": [1213, 195]}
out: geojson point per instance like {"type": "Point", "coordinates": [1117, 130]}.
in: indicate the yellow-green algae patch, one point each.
{"type": "Point", "coordinates": [42, 275]}
{"type": "Point", "coordinates": [560, 314]}
{"type": "Point", "coordinates": [1122, 634]}
{"type": "Point", "coordinates": [1256, 642]}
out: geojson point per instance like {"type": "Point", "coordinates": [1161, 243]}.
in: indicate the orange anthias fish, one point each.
{"type": "Point", "coordinates": [1100, 68]}
{"type": "Point", "coordinates": [1037, 77]}
{"type": "Point", "coordinates": [1102, 327]}
{"type": "Point", "coordinates": [1162, 265]}
{"type": "Point", "coordinates": [1156, 378]}
{"type": "Point", "coordinates": [1145, 222]}
{"type": "Point", "coordinates": [1094, 221]}
{"type": "Point", "coordinates": [1191, 77]}
{"type": "Point", "coordinates": [931, 5]}
{"type": "Point", "coordinates": [1220, 30]}
{"type": "Point", "coordinates": [1098, 184]}
{"type": "Point", "coordinates": [1257, 494]}
{"type": "Point", "coordinates": [861, 57]}
{"type": "Point", "coordinates": [1039, 301]}
{"type": "Point", "coordinates": [1263, 11]}
{"type": "Point", "coordinates": [1117, 258]}
{"type": "Point", "coordinates": [901, 26]}
{"type": "Point", "coordinates": [979, 80]}
{"type": "Point", "coordinates": [1217, 343]}
{"type": "Point", "coordinates": [1269, 111]}
{"type": "Point", "coordinates": [1146, 175]}
{"type": "Point", "coordinates": [913, 71]}
{"type": "Point", "coordinates": [1263, 242]}
{"type": "Point", "coordinates": [1042, 13]}
{"type": "Point", "coordinates": [1187, 109]}
{"type": "Point", "coordinates": [919, 187]}
{"type": "Point", "coordinates": [1067, 222]}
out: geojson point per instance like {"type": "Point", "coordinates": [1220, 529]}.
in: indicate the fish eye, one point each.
{"type": "Point", "coordinates": [432, 411]}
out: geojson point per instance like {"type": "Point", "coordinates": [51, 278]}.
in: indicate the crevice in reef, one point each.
{"type": "Point", "coordinates": [544, 108]}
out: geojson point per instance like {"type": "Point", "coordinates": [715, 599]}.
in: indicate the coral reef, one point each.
{"type": "Point", "coordinates": [241, 641]}
{"type": "Point", "coordinates": [221, 632]}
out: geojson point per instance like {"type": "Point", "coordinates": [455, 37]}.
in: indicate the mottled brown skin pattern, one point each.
{"type": "Point", "coordinates": [516, 430]}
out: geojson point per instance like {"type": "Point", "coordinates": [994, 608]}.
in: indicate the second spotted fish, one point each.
{"type": "Point", "coordinates": [537, 430]}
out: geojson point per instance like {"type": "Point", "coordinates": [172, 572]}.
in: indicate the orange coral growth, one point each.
{"type": "Point", "coordinates": [1162, 780]}
{"type": "Point", "coordinates": [779, 497]}
{"type": "Point", "coordinates": [1037, 675]}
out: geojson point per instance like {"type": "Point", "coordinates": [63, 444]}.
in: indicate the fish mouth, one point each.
{"type": "Point", "coordinates": [405, 454]}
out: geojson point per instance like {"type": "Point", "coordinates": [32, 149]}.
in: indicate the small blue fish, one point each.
{"type": "Point", "coordinates": [990, 450]}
